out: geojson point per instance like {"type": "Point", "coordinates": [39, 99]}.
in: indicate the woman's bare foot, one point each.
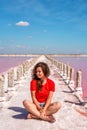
{"type": "Point", "coordinates": [31, 116]}
{"type": "Point", "coordinates": [50, 118]}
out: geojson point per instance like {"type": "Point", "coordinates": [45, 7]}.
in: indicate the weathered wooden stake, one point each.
{"type": "Point", "coordinates": [2, 92]}
{"type": "Point", "coordinates": [11, 79]}
{"type": "Point", "coordinates": [71, 82]}
{"type": "Point", "coordinates": [78, 88]}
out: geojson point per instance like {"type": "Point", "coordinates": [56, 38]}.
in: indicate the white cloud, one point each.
{"type": "Point", "coordinates": [22, 23]}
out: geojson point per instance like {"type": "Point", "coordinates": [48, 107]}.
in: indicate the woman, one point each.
{"type": "Point", "coordinates": [42, 89]}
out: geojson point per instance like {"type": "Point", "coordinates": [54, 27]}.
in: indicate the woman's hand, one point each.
{"type": "Point", "coordinates": [42, 112]}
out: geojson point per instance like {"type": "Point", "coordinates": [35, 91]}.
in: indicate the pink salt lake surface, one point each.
{"type": "Point", "coordinates": [6, 62]}
{"type": "Point", "coordinates": [77, 63]}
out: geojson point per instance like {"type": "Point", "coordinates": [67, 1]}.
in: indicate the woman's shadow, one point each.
{"type": "Point", "coordinates": [22, 111]}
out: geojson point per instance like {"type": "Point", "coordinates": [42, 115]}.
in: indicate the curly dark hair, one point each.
{"type": "Point", "coordinates": [45, 70]}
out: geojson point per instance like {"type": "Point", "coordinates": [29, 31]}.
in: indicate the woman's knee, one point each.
{"type": "Point", "coordinates": [28, 104]}
{"type": "Point", "coordinates": [25, 102]}
{"type": "Point", "coordinates": [58, 105]}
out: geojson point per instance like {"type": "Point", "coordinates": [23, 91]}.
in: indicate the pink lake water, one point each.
{"type": "Point", "coordinates": [10, 61]}
{"type": "Point", "coordinates": [77, 63]}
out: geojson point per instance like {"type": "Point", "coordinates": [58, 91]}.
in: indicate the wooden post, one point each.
{"type": "Point", "coordinates": [61, 69]}
{"type": "Point", "coordinates": [71, 82]}
{"type": "Point", "coordinates": [71, 74]}
{"type": "Point", "coordinates": [79, 79]}
{"type": "Point", "coordinates": [2, 92]}
{"type": "Point", "coordinates": [6, 82]}
{"type": "Point", "coordinates": [68, 71]}
{"type": "Point", "coordinates": [24, 68]}
{"type": "Point", "coordinates": [64, 72]}
{"type": "Point", "coordinates": [67, 74]}
{"type": "Point", "coordinates": [79, 83]}
{"type": "Point", "coordinates": [19, 72]}
{"type": "Point", "coordinates": [15, 74]}
{"type": "Point", "coordinates": [11, 79]}
{"type": "Point", "coordinates": [78, 88]}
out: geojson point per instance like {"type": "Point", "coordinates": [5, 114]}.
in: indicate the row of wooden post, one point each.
{"type": "Point", "coordinates": [67, 73]}
{"type": "Point", "coordinates": [12, 76]}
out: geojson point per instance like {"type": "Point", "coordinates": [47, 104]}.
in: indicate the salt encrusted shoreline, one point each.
{"type": "Point", "coordinates": [71, 55]}
{"type": "Point", "coordinates": [17, 55]}
{"type": "Point", "coordinates": [66, 55]}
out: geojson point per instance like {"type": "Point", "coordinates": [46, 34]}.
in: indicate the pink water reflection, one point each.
{"type": "Point", "coordinates": [77, 63]}
{"type": "Point", "coordinates": [8, 62]}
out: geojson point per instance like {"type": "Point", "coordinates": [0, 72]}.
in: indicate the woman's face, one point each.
{"type": "Point", "coordinates": [39, 73]}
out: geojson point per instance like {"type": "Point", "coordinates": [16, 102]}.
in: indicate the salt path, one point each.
{"type": "Point", "coordinates": [13, 114]}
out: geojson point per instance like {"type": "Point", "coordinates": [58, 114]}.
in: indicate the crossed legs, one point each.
{"type": "Point", "coordinates": [31, 108]}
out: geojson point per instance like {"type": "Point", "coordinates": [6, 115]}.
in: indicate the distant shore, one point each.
{"type": "Point", "coordinates": [17, 55]}
{"type": "Point", "coordinates": [61, 55]}
{"type": "Point", "coordinates": [72, 55]}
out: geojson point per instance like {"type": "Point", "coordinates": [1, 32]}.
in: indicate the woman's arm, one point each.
{"type": "Point", "coordinates": [48, 100]}
{"type": "Point", "coordinates": [43, 110]}
{"type": "Point", "coordinates": [35, 100]}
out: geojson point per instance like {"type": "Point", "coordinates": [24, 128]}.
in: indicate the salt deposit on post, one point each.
{"type": "Point", "coordinates": [11, 79]}
{"type": "Point", "coordinates": [71, 84]}
{"type": "Point", "coordinates": [2, 92]}
{"type": "Point", "coordinates": [79, 92]}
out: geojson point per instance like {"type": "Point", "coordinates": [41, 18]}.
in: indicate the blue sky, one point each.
{"type": "Point", "coordinates": [43, 26]}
